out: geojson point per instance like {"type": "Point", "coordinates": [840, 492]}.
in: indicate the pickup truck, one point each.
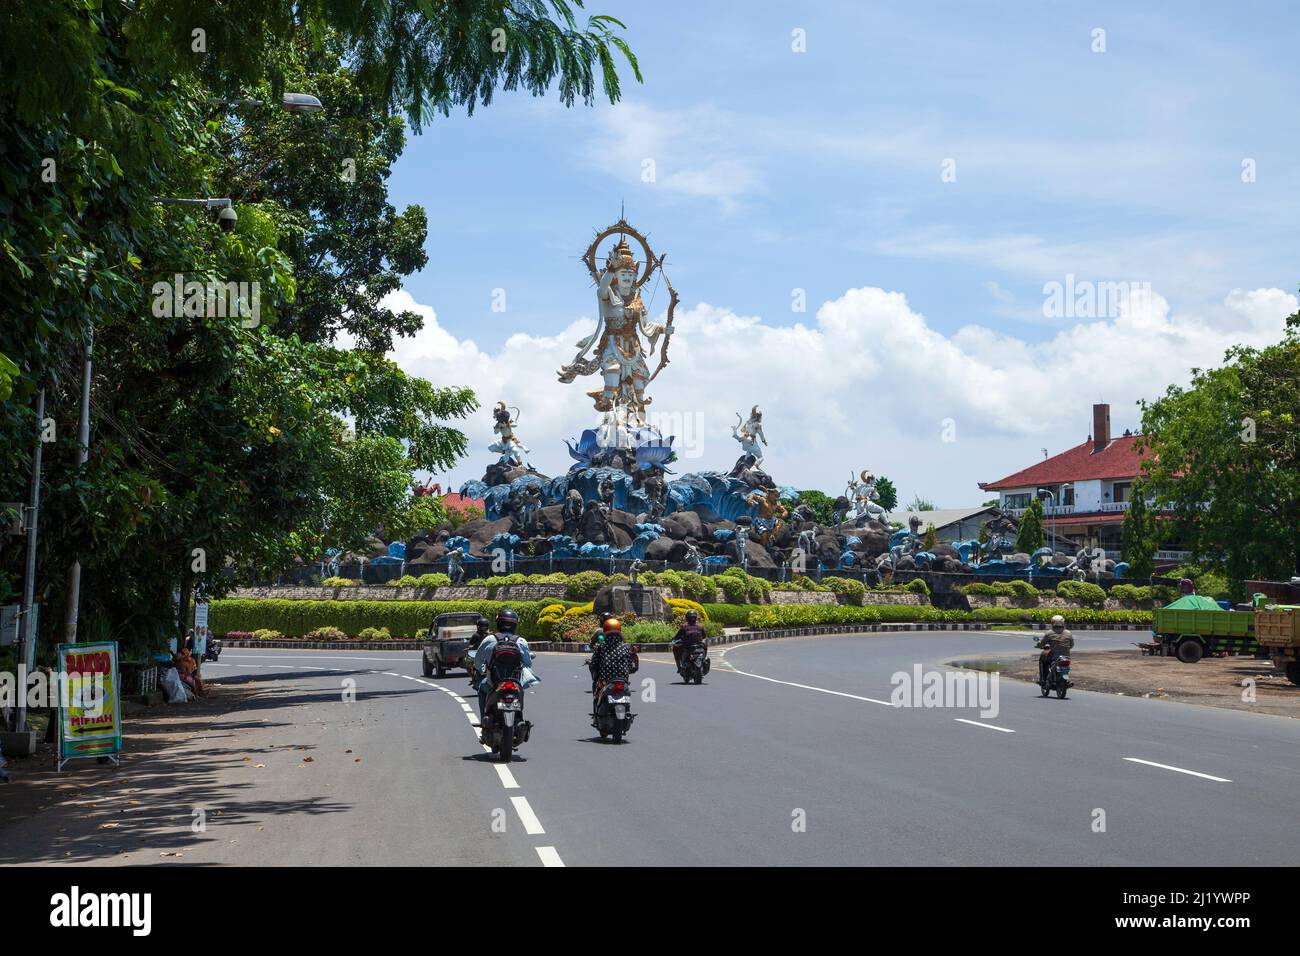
{"type": "Point", "coordinates": [452, 643]}
{"type": "Point", "coordinates": [1278, 627]}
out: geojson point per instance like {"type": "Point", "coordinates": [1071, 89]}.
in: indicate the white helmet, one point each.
{"type": "Point", "coordinates": [1058, 622]}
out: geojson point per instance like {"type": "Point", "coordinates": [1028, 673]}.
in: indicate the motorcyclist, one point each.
{"type": "Point", "coordinates": [687, 636]}
{"type": "Point", "coordinates": [507, 624]}
{"type": "Point", "coordinates": [1057, 642]}
{"type": "Point", "coordinates": [611, 659]}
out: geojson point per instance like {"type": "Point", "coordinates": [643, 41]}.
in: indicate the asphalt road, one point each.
{"type": "Point", "coordinates": [790, 753]}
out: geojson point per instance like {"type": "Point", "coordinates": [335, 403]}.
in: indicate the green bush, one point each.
{"type": "Point", "coordinates": [649, 632]}
{"type": "Point", "coordinates": [1085, 592]}
{"type": "Point", "coordinates": [325, 634]}
{"type": "Point", "coordinates": [917, 586]}
{"type": "Point", "coordinates": [374, 634]}
{"type": "Point", "coordinates": [267, 634]}
{"type": "Point", "coordinates": [730, 615]}
{"type": "Point", "coordinates": [848, 590]}
{"type": "Point", "coordinates": [339, 583]}
{"type": "Point", "coordinates": [584, 584]}
{"type": "Point", "coordinates": [1131, 593]}
{"type": "Point", "coordinates": [811, 615]}
{"type": "Point", "coordinates": [741, 588]}
{"type": "Point", "coordinates": [433, 580]}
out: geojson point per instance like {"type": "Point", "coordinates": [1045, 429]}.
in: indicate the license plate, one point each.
{"type": "Point", "coordinates": [508, 706]}
{"type": "Point", "coordinates": [620, 711]}
{"type": "Point", "coordinates": [510, 718]}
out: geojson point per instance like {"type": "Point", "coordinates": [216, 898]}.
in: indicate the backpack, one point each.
{"type": "Point", "coordinates": [507, 662]}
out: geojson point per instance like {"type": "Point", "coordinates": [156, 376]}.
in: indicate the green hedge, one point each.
{"type": "Point", "coordinates": [812, 615]}
{"type": "Point", "coordinates": [731, 615]}
{"type": "Point", "coordinates": [403, 619]}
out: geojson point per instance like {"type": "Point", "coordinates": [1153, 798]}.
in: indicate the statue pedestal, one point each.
{"type": "Point", "coordinates": [647, 603]}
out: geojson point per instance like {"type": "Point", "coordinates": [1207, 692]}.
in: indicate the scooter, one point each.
{"type": "Point", "coordinates": [1057, 679]}
{"type": "Point", "coordinates": [504, 727]}
{"type": "Point", "coordinates": [213, 649]}
{"type": "Point", "coordinates": [613, 717]}
{"type": "Point", "coordinates": [695, 664]}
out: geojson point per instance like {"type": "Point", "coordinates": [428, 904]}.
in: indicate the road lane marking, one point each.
{"type": "Point", "coordinates": [1190, 773]}
{"type": "Point", "coordinates": [532, 826]}
{"type": "Point", "coordinates": [549, 856]}
{"type": "Point", "coordinates": [820, 690]}
{"type": "Point", "coordinates": [977, 723]}
{"type": "Point", "coordinates": [507, 778]}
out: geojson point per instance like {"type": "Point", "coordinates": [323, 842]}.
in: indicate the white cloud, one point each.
{"type": "Point", "coordinates": [868, 384]}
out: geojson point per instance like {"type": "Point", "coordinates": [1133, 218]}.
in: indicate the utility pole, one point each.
{"type": "Point", "coordinates": [26, 633]}
{"type": "Point", "coordinates": [83, 453]}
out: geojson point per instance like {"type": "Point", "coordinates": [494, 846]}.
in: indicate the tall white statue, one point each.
{"type": "Point", "coordinates": [750, 434]}
{"type": "Point", "coordinates": [615, 351]}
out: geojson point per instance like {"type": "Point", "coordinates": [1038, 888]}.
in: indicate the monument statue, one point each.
{"type": "Point", "coordinates": [750, 434]}
{"type": "Point", "coordinates": [862, 492]}
{"type": "Point", "coordinates": [615, 351]}
{"type": "Point", "coordinates": [507, 445]}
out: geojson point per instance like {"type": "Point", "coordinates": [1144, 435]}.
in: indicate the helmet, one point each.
{"type": "Point", "coordinates": [612, 625]}
{"type": "Point", "coordinates": [507, 620]}
{"type": "Point", "coordinates": [692, 617]}
{"type": "Point", "coordinates": [1058, 622]}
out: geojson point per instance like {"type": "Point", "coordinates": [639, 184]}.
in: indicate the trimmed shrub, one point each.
{"type": "Point", "coordinates": [649, 632]}
{"type": "Point", "coordinates": [584, 584]}
{"type": "Point", "coordinates": [1085, 592]}
{"type": "Point", "coordinates": [339, 583]}
{"type": "Point", "coordinates": [917, 586]}
{"type": "Point", "coordinates": [681, 605]}
{"type": "Point", "coordinates": [374, 634]}
{"type": "Point", "coordinates": [325, 634]}
{"type": "Point", "coordinates": [811, 615]}
{"type": "Point", "coordinates": [267, 634]}
{"type": "Point", "coordinates": [1131, 593]}
{"type": "Point", "coordinates": [730, 615]}
{"type": "Point", "coordinates": [848, 590]}
{"type": "Point", "coordinates": [433, 580]}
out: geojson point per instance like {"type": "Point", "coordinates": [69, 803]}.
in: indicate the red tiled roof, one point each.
{"type": "Point", "coordinates": [1119, 459]}
{"type": "Point", "coordinates": [458, 501]}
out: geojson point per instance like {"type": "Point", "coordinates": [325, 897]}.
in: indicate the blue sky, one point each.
{"type": "Point", "coordinates": [776, 171]}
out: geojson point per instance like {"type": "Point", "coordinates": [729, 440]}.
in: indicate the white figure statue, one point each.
{"type": "Point", "coordinates": [862, 492]}
{"type": "Point", "coordinates": [507, 445]}
{"type": "Point", "coordinates": [750, 434]}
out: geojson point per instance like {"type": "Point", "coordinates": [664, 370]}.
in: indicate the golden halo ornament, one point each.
{"type": "Point", "coordinates": [621, 228]}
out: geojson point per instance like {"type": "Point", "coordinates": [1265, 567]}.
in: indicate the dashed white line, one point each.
{"type": "Point", "coordinates": [532, 826]}
{"type": "Point", "coordinates": [980, 723]}
{"type": "Point", "coordinates": [1190, 773]}
{"type": "Point", "coordinates": [549, 856]}
{"type": "Point", "coordinates": [507, 778]}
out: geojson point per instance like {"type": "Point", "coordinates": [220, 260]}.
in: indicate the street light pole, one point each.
{"type": "Point", "coordinates": [83, 455]}
{"type": "Point", "coordinates": [27, 634]}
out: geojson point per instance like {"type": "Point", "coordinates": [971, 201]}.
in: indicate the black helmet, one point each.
{"type": "Point", "coordinates": [692, 617]}
{"type": "Point", "coordinates": [507, 620]}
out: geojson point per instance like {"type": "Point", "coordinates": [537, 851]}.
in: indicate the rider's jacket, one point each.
{"type": "Point", "coordinates": [613, 660]}
{"type": "Point", "coordinates": [689, 634]}
{"type": "Point", "coordinates": [1058, 644]}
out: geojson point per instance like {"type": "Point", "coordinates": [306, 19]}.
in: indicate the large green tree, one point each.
{"type": "Point", "coordinates": [216, 440]}
{"type": "Point", "coordinates": [1223, 461]}
{"type": "Point", "coordinates": [1029, 533]}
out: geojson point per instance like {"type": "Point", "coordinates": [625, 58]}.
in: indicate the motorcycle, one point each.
{"type": "Point", "coordinates": [213, 649]}
{"type": "Point", "coordinates": [1057, 679]}
{"type": "Point", "coordinates": [504, 727]}
{"type": "Point", "coordinates": [695, 663]}
{"type": "Point", "coordinates": [614, 715]}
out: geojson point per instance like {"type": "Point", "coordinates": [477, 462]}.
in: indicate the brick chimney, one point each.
{"type": "Point", "coordinates": [1100, 427]}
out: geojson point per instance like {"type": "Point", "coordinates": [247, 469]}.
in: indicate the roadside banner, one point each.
{"type": "Point", "coordinates": [200, 629]}
{"type": "Point", "coordinates": [90, 715]}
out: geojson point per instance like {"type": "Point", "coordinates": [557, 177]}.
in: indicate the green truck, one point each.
{"type": "Point", "coordinates": [1194, 626]}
